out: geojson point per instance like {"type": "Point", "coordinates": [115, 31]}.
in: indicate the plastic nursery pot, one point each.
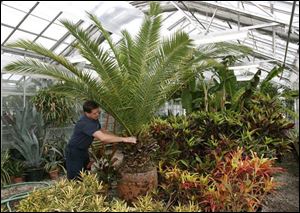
{"type": "Point", "coordinates": [132, 185]}
{"type": "Point", "coordinates": [35, 174]}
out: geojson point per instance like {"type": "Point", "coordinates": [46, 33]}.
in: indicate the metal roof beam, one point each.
{"type": "Point", "coordinates": [187, 8]}
{"type": "Point", "coordinates": [47, 26]}
{"type": "Point", "coordinates": [289, 33]}
{"type": "Point", "coordinates": [64, 37]}
{"type": "Point", "coordinates": [244, 12]}
{"type": "Point", "coordinates": [211, 20]}
{"type": "Point", "coordinates": [262, 9]}
{"type": "Point", "coordinates": [32, 33]}
{"type": "Point", "coordinates": [23, 19]}
{"type": "Point", "coordinates": [21, 52]}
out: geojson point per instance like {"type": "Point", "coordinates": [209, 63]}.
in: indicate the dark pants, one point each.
{"type": "Point", "coordinates": [76, 161]}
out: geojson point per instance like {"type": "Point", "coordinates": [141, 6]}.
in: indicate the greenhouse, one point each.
{"type": "Point", "coordinates": [138, 106]}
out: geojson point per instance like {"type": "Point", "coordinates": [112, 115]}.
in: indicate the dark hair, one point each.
{"type": "Point", "coordinates": [88, 106]}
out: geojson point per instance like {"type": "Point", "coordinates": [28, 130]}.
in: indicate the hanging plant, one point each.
{"type": "Point", "coordinates": [56, 109]}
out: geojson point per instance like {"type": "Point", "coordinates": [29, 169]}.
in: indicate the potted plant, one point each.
{"type": "Point", "coordinates": [54, 158]}
{"type": "Point", "coordinates": [134, 79]}
{"type": "Point", "coordinates": [16, 169]}
{"type": "Point", "coordinates": [53, 168]}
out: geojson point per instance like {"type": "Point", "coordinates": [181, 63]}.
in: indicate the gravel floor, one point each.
{"type": "Point", "coordinates": [286, 197]}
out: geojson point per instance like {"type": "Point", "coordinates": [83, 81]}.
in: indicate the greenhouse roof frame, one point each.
{"type": "Point", "coordinates": [267, 24]}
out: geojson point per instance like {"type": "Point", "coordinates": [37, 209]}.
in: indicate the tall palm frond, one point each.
{"type": "Point", "coordinates": [133, 79]}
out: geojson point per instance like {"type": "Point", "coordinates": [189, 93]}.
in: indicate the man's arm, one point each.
{"type": "Point", "coordinates": [106, 132]}
{"type": "Point", "coordinates": [111, 138]}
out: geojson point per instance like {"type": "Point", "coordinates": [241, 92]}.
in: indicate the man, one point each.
{"type": "Point", "coordinates": [86, 129]}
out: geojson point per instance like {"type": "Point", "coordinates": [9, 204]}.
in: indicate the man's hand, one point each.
{"type": "Point", "coordinates": [129, 140]}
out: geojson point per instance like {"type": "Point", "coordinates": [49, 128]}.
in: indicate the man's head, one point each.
{"type": "Point", "coordinates": [91, 109]}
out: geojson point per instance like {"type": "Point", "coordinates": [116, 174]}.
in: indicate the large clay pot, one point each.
{"type": "Point", "coordinates": [132, 185]}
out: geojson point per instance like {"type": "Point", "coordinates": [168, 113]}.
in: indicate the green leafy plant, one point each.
{"type": "Point", "coordinates": [16, 168]}
{"type": "Point", "coordinates": [103, 164]}
{"type": "Point", "coordinates": [190, 207]}
{"type": "Point", "coordinates": [53, 156]}
{"type": "Point", "coordinates": [28, 134]}
{"type": "Point", "coordinates": [5, 177]}
{"type": "Point", "coordinates": [56, 109]}
{"type": "Point", "coordinates": [148, 204]}
{"type": "Point", "coordinates": [85, 195]}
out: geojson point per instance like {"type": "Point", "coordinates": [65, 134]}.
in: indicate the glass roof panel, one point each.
{"type": "Point", "coordinates": [10, 16]}
{"type": "Point", "coordinates": [60, 48]}
{"type": "Point", "coordinates": [5, 31]}
{"type": "Point", "coordinates": [55, 31]}
{"type": "Point", "coordinates": [45, 42]}
{"type": "Point", "coordinates": [21, 35]}
{"type": "Point", "coordinates": [21, 5]}
{"type": "Point", "coordinates": [37, 27]}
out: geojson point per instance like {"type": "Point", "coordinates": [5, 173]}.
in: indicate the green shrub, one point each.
{"type": "Point", "coordinates": [191, 207]}
{"type": "Point", "coordinates": [85, 195]}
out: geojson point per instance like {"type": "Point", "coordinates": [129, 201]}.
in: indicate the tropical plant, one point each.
{"type": "Point", "coordinates": [148, 204]}
{"type": "Point", "coordinates": [16, 168]}
{"type": "Point", "coordinates": [190, 207]}
{"type": "Point", "coordinates": [53, 165]}
{"type": "Point", "coordinates": [85, 195]}
{"type": "Point", "coordinates": [53, 157]}
{"type": "Point", "coordinates": [103, 164]}
{"type": "Point", "coordinates": [56, 109]}
{"type": "Point", "coordinates": [28, 134]}
{"type": "Point", "coordinates": [191, 141]}
{"type": "Point", "coordinates": [240, 183]}
{"type": "Point", "coordinates": [217, 93]}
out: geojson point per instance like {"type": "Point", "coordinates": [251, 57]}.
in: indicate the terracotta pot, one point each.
{"type": "Point", "coordinates": [53, 174]}
{"type": "Point", "coordinates": [133, 185]}
{"type": "Point", "coordinates": [18, 179]}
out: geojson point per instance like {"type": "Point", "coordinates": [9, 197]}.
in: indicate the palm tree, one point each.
{"type": "Point", "coordinates": [134, 78]}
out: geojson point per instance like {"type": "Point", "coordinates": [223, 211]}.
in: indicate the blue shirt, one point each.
{"type": "Point", "coordinates": [83, 132]}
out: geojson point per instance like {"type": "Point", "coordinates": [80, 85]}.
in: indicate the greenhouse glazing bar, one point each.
{"type": "Point", "coordinates": [24, 18]}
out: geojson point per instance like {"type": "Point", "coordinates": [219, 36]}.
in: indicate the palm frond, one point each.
{"type": "Point", "coordinates": [273, 73]}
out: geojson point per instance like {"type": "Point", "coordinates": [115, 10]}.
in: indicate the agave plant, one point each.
{"type": "Point", "coordinates": [27, 132]}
